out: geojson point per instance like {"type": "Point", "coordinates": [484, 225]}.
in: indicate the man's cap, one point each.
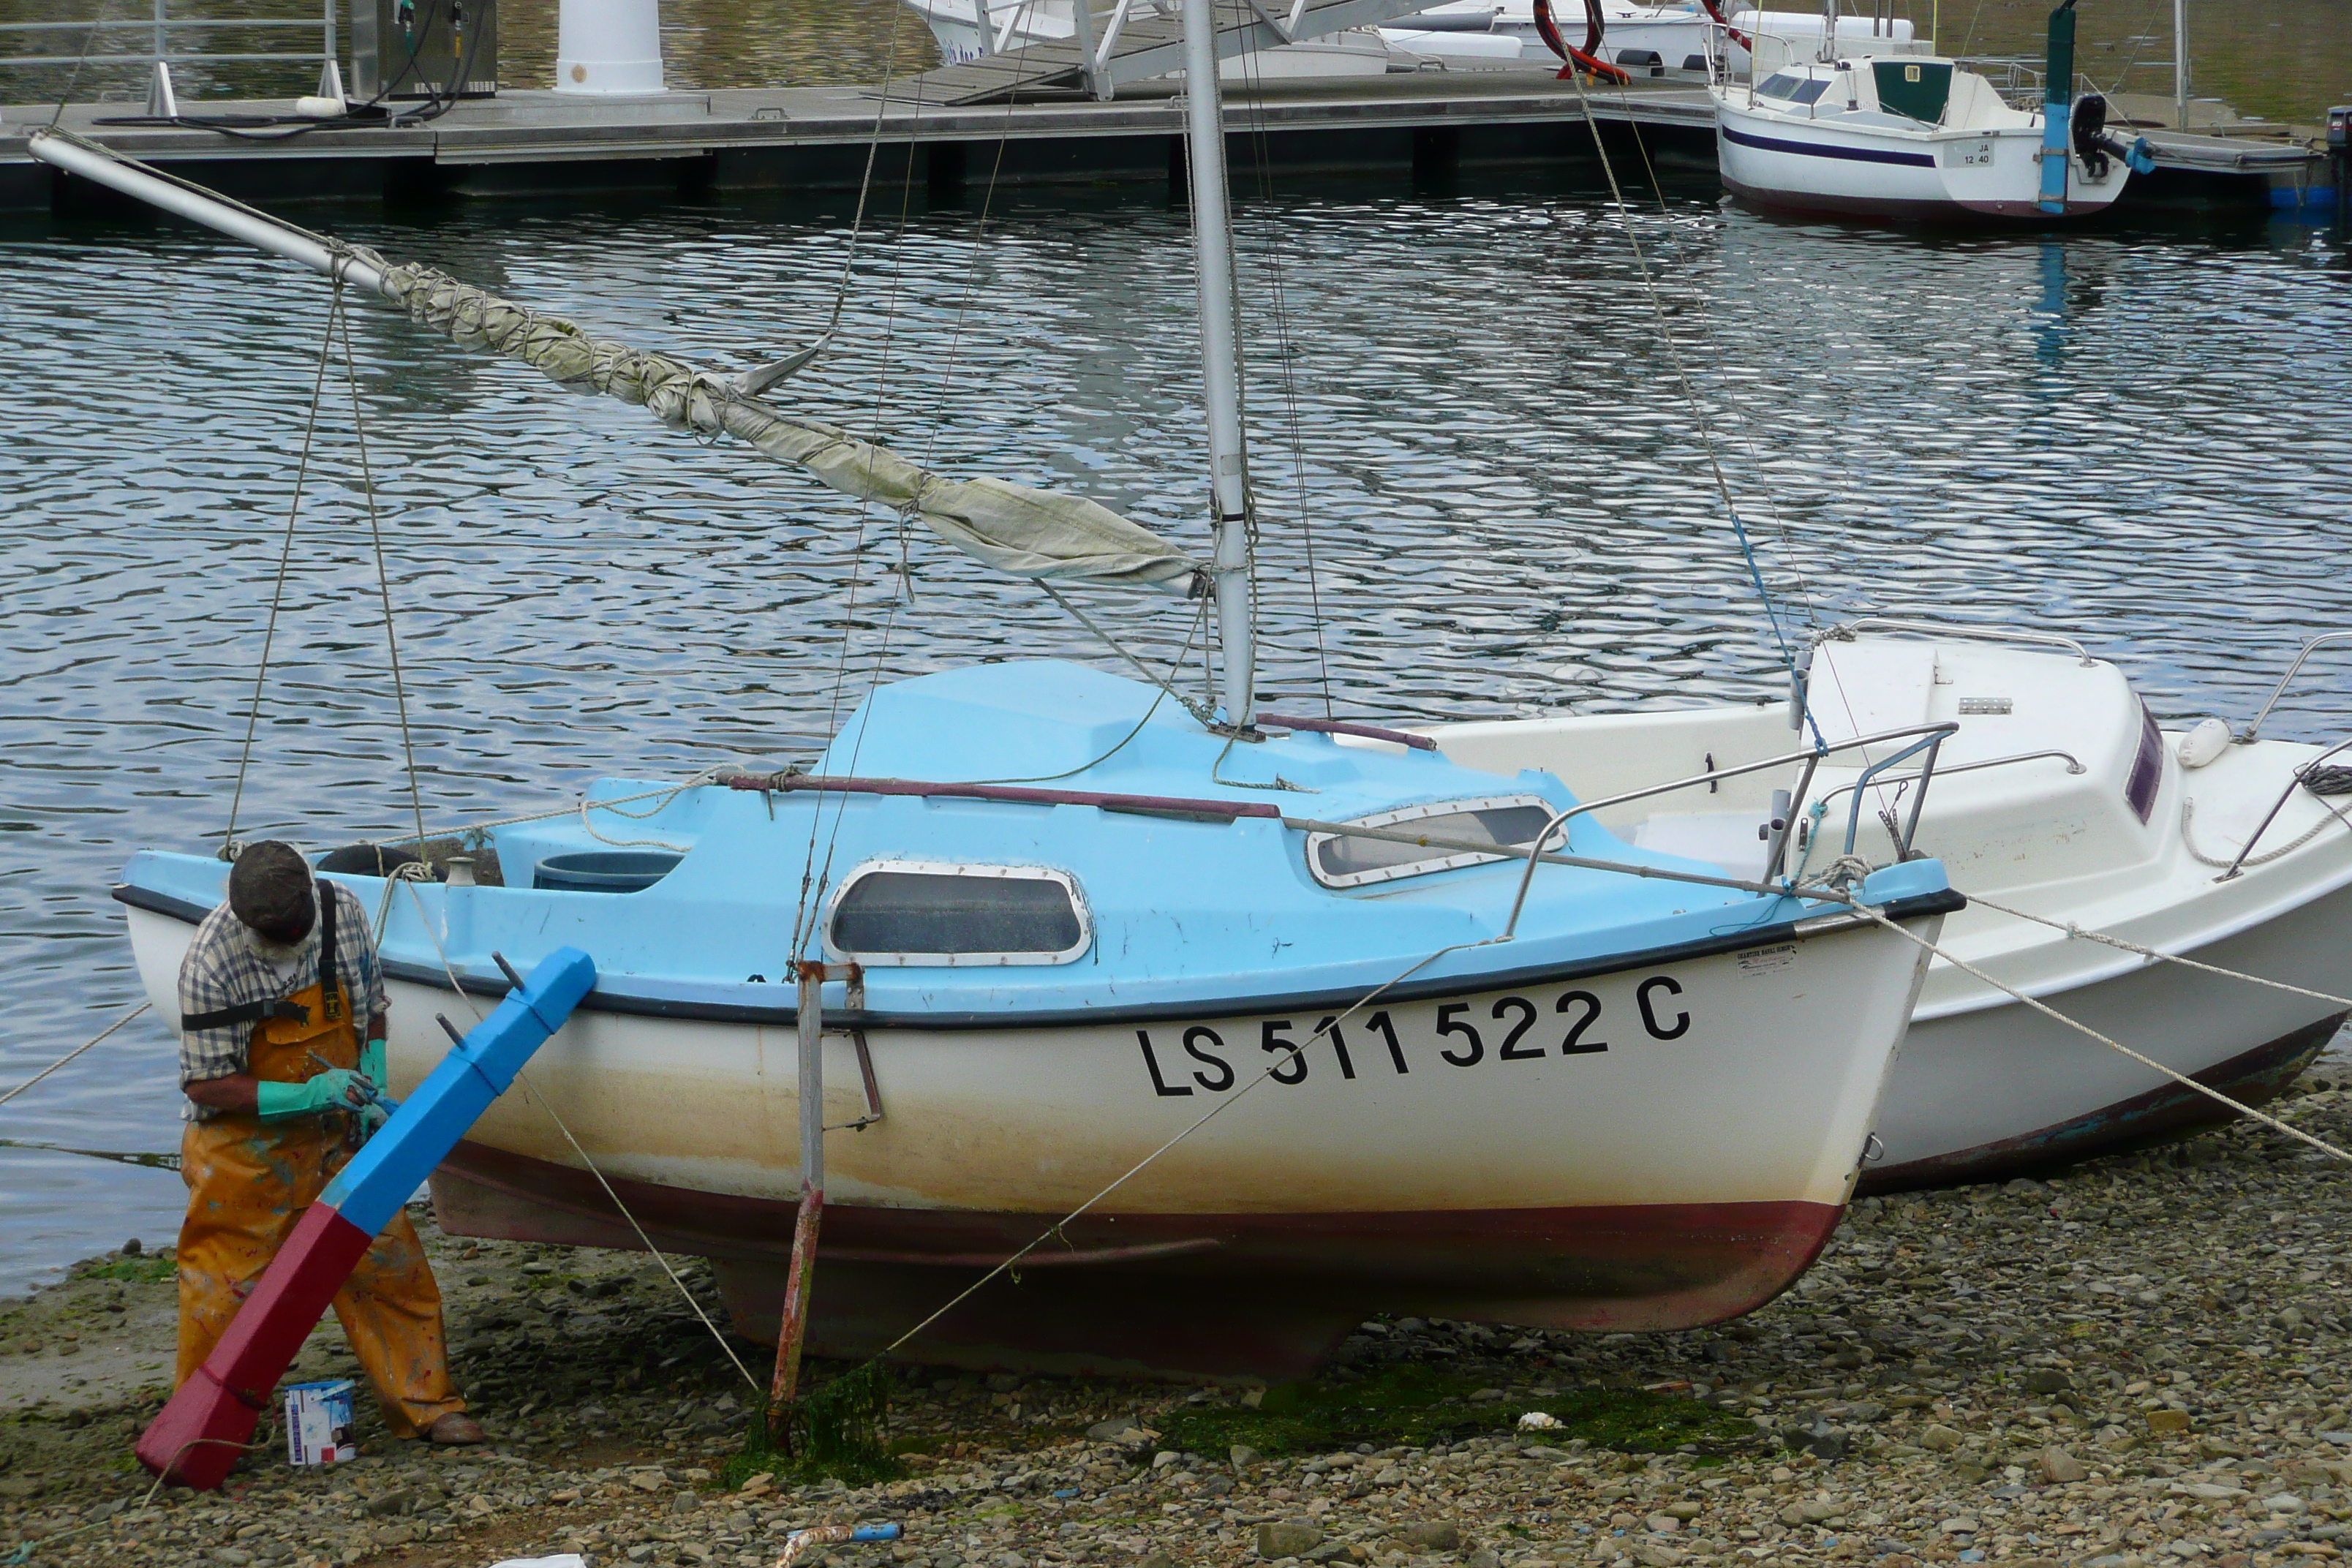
{"type": "Point", "coordinates": [269, 886]}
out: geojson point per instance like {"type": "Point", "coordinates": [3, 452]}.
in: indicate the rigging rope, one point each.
{"type": "Point", "coordinates": [2049, 1012]}
{"type": "Point", "coordinates": [285, 556]}
{"type": "Point", "coordinates": [382, 576]}
{"type": "Point", "coordinates": [1698, 410]}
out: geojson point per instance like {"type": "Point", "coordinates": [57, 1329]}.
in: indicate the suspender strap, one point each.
{"type": "Point", "coordinates": [246, 1013]}
{"type": "Point", "coordinates": [329, 997]}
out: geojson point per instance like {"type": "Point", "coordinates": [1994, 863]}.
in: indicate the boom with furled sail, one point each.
{"type": "Point", "coordinates": [1014, 528]}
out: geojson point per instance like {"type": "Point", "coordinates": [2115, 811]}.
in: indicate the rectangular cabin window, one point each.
{"type": "Point", "coordinates": [1343, 860]}
{"type": "Point", "coordinates": [919, 913]}
{"type": "Point", "coordinates": [1780, 84]}
{"type": "Point", "coordinates": [1809, 91]}
{"type": "Point", "coordinates": [2147, 767]}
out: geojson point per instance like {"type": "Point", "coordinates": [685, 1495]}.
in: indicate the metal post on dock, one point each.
{"type": "Point", "coordinates": [2180, 64]}
{"type": "Point", "coordinates": [331, 74]}
{"type": "Point", "coordinates": [809, 1015]}
{"type": "Point", "coordinates": [162, 103]}
{"type": "Point", "coordinates": [1082, 33]}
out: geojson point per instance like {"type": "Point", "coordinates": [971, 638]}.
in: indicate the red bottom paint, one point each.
{"type": "Point", "coordinates": [209, 1422]}
{"type": "Point", "coordinates": [2252, 1077]}
{"type": "Point", "coordinates": [1248, 1295]}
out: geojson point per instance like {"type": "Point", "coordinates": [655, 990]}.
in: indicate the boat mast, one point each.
{"type": "Point", "coordinates": [1212, 251]}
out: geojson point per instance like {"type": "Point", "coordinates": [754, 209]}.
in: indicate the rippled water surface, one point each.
{"type": "Point", "coordinates": [1466, 414]}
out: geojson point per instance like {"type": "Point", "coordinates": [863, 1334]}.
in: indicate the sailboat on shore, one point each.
{"type": "Point", "coordinates": [1271, 1031]}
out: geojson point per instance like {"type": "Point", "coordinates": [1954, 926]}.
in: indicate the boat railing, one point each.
{"type": "Point", "coordinates": [160, 28]}
{"type": "Point", "coordinates": [2246, 737]}
{"type": "Point", "coordinates": [1845, 631]}
{"type": "Point", "coordinates": [1927, 737]}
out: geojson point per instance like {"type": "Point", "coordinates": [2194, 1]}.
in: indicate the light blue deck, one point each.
{"type": "Point", "coordinates": [1184, 913]}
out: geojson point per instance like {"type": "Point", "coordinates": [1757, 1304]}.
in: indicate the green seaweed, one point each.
{"type": "Point", "coordinates": [1414, 1406]}
{"type": "Point", "coordinates": [836, 1433]}
{"type": "Point", "coordinates": [144, 1270]}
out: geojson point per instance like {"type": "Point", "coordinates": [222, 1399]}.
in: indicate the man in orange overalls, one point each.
{"type": "Point", "coordinates": [277, 993]}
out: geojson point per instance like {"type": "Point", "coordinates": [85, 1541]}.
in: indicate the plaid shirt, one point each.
{"type": "Point", "coordinates": [222, 970]}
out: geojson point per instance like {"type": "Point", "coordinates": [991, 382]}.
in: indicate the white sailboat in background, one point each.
{"type": "Point", "coordinates": [2058, 797]}
{"type": "Point", "coordinates": [1892, 134]}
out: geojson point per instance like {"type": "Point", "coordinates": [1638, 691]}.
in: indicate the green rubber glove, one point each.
{"type": "Point", "coordinates": [371, 1066]}
{"type": "Point", "coordinates": [330, 1090]}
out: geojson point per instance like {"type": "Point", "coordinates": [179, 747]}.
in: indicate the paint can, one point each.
{"type": "Point", "coordinates": [319, 1423]}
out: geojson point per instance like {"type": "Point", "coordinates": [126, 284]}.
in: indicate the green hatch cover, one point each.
{"type": "Point", "coordinates": [1916, 87]}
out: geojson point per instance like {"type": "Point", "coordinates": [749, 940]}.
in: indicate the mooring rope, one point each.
{"type": "Point", "coordinates": [2071, 929]}
{"type": "Point", "coordinates": [2188, 808]}
{"type": "Point", "coordinates": [2047, 1011]}
{"type": "Point", "coordinates": [424, 919]}
{"type": "Point", "coordinates": [70, 1055]}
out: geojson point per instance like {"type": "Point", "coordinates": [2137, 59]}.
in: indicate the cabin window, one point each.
{"type": "Point", "coordinates": [1780, 84]}
{"type": "Point", "coordinates": [915, 913]}
{"type": "Point", "coordinates": [2147, 767]}
{"type": "Point", "coordinates": [1507, 822]}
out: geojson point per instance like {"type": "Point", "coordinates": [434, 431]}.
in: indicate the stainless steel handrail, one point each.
{"type": "Point", "coordinates": [1809, 755]}
{"type": "Point", "coordinates": [2278, 805]}
{"type": "Point", "coordinates": [159, 24]}
{"type": "Point", "coordinates": [1844, 631]}
{"type": "Point", "coordinates": [1855, 789]}
{"type": "Point", "coordinates": [2280, 690]}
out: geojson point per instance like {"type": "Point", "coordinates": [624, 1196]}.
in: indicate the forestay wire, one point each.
{"type": "Point", "coordinates": [1697, 409]}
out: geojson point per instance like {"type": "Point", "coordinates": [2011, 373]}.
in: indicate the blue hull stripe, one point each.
{"type": "Point", "coordinates": [1852, 155]}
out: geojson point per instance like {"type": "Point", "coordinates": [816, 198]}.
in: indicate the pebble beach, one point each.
{"type": "Point", "coordinates": [2135, 1362]}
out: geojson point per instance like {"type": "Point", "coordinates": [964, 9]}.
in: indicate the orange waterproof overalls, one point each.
{"type": "Point", "coordinates": [248, 1183]}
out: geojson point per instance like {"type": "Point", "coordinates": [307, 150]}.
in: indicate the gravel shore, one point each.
{"type": "Point", "coordinates": [2138, 1361]}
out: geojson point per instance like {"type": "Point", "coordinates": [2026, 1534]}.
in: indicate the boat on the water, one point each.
{"type": "Point", "coordinates": [1903, 135]}
{"type": "Point", "coordinates": [2058, 795]}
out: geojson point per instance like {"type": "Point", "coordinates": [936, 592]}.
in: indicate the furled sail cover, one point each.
{"type": "Point", "coordinates": [1016, 529]}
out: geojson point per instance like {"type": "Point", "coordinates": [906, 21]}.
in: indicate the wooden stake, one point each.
{"type": "Point", "coordinates": [784, 1392]}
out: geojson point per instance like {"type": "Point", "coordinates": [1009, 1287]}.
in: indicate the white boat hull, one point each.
{"type": "Point", "coordinates": [1821, 167]}
{"type": "Point", "coordinates": [1685, 1173]}
{"type": "Point", "coordinates": [1985, 1086]}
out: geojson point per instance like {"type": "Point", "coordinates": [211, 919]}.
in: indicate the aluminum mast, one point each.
{"type": "Point", "coordinates": [1204, 136]}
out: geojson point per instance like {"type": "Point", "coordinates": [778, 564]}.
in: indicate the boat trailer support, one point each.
{"type": "Point", "coordinates": [210, 1421]}
{"type": "Point", "coordinates": [783, 1391]}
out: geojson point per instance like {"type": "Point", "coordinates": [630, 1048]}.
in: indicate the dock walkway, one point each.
{"type": "Point", "coordinates": [814, 139]}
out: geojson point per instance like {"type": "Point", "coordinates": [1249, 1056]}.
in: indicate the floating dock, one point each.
{"type": "Point", "coordinates": [1428, 124]}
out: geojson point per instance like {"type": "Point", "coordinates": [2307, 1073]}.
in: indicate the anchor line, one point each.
{"type": "Point", "coordinates": [2049, 1012]}
{"type": "Point", "coordinates": [560, 1126]}
{"type": "Point", "coordinates": [1297, 1050]}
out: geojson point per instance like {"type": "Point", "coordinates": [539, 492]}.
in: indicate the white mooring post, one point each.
{"type": "Point", "coordinates": [2180, 64]}
{"type": "Point", "coordinates": [609, 46]}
